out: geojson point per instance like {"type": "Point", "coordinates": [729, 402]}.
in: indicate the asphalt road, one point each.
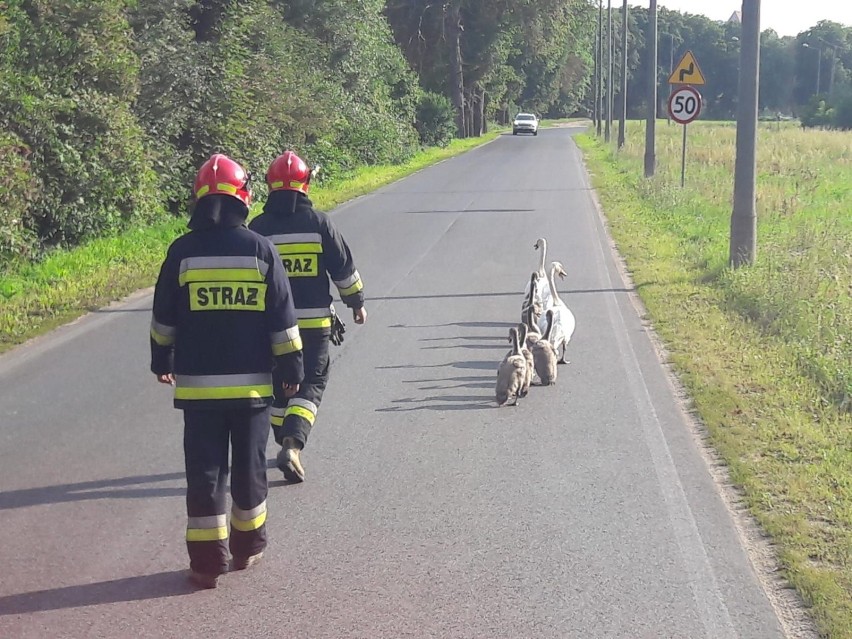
{"type": "Point", "coordinates": [585, 512]}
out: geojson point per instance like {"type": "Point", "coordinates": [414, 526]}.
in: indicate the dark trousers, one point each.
{"type": "Point", "coordinates": [295, 417]}
{"type": "Point", "coordinates": [206, 438]}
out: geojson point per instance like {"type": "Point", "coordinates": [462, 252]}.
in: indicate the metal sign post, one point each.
{"type": "Point", "coordinates": [685, 101]}
{"type": "Point", "coordinates": [684, 107]}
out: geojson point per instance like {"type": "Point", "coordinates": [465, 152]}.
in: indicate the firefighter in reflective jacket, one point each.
{"type": "Point", "coordinates": [312, 250]}
{"type": "Point", "coordinates": [223, 317]}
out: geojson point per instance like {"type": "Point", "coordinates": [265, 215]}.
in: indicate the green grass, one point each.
{"type": "Point", "coordinates": [766, 351]}
{"type": "Point", "coordinates": [35, 298]}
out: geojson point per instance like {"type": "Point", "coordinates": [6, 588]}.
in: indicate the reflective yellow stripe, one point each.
{"type": "Point", "coordinates": [224, 392]}
{"type": "Point", "coordinates": [206, 534]}
{"type": "Point", "coordinates": [277, 185]}
{"type": "Point", "coordinates": [317, 322]}
{"type": "Point", "coordinates": [162, 340]}
{"type": "Point", "coordinates": [301, 412]}
{"type": "Point", "coordinates": [220, 275]}
{"type": "Point", "coordinates": [251, 524]}
{"type": "Point", "coordinates": [349, 290]}
{"type": "Point", "coordinates": [277, 420]}
{"type": "Point", "coordinates": [282, 348]}
{"type": "Point", "coordinates": [304, 403]}
{"type": "Point", "coordinates": [204, 190]}
{"type": "Point", "coordinates": [227, 188]}
{"type": "Point", "coordinates": [301, 247]}
{"type": "Point", "coordinates": [296, 185]}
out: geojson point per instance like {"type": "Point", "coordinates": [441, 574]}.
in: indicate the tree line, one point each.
{"type": "Point", "coordinates": [108, 106]}
{"type": "Point", "coordinates": [808, 76]}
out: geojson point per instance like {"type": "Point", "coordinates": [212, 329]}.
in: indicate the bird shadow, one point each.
{"type": "Point", "coordinates": [469, 338]}
{"type": "Point", "coordinates": [469, 346]}
{"type": "Point", "coordinates": [465, 402]}
{"type": "Point", "coordinates": [506, 325]}
{"type": "Point", "coordinates": [437, 407]}
{"type": "Point", "coordinates": [476, 365]}
{"type": "Point", "coordinates": [157, 586]}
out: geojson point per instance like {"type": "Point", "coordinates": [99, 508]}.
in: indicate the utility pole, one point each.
{"type": "Point", "coordinates": [819, 63]}
{"type": "Point", "coordinates": [608, 126]}
{"type": "Point", "coordinates": [744, 218]}
{"type": "Point", "coordinates": [622, 122]}
{"type": "Point", "coordinates": [831, 75]}
{"type": "Point", "coordinates": [600, 63]}
{"type": "Point", "coordinates": [596, 80]}
{"type": "Point", "coordinates": [651, 122]}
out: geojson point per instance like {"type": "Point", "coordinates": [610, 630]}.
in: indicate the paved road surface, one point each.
{"type": "Point", "coordinates": [585, 512]}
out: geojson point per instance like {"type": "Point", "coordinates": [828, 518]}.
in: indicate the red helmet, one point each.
{"type": "Point", "coordinates": [221, 175]}
{"type": "Point", "coordinates": [288, 172]}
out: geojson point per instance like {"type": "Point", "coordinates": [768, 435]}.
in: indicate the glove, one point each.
{"type": "Point", "coordinates": [338, 328]}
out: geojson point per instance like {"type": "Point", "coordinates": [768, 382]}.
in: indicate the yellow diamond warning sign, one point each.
{"type": "Point", "coordinates": [687, 71]}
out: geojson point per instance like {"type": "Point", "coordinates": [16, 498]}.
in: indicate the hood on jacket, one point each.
{"type": "Point", "coordinates": [285, 202]}
{"type": "Point", "coordinates": [214, 211]}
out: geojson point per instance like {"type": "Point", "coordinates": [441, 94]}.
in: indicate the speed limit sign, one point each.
{"type": "Point", "coordinates": [684, 105]}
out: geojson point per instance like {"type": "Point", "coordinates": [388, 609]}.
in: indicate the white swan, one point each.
{"type": "Point", "coordinates": [563, 319]}
{"type": "Point", "coordinates": [536, 291]}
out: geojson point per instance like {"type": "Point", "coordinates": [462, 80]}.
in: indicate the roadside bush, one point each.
{"type": "Point", "coordinates": [817, 113]}
{"type": "Point", "coordinates": [18, 189]}
{"type": "Point", "coordinates": [69, 77]}
{"type": "Point", "coordinates": [843, 113]}
{"type": "Point", "coordinates": [435, 120]}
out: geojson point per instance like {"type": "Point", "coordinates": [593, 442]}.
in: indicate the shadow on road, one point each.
{"type": "Point", "coordinates": [441, 407]}
{"type": "Point", "coordinates": [466, 402]}
{"type": "Point", "coordinates": [463, 337]}
{"type": "Point", "coordinates": [463, 378]}
{"type": "Point", "coordinates": [87, 490]}
{"type": "Point", "coordinates": [156, 586]}
{"type": "Point", "coordinates": [477, 365]}
{"type": "Point", "coordinates": [470, 211]}
{"type": "Point", "coordinates": [518, 294]}
{"type": "Point", "coordinates": [474, 346]}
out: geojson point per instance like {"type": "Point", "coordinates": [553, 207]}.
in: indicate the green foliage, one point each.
{"type": "Point", "coordinates": [435, 120]}
{"type": "Point", "coordinates": [792, 70]}
{"type": "Point", "coordinates": [843, 113]}
{"type": "Point", "coordinates": [817, 113]}
{"type": "Point", "coordinates": [114, 104]}
{"type": "Point", "coordinates": [67, 80]}
{"type": "Point", "coordinates": [18, 189]}
{"type": "Point", "coordinates": [529, 53]}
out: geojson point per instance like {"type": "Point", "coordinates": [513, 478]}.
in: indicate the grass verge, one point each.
{"type": "Point", "coordinates": [763, 352]}
{"type": "Point", "coordinates": [35, 298]}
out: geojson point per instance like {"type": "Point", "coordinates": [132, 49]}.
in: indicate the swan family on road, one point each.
{"type": "Point", "coordinates": [545, 329]}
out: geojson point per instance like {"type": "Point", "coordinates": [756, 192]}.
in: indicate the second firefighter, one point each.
{"type": "Point", "coordinates": [313, 251]}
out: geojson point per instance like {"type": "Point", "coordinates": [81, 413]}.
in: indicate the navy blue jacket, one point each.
{"type": "Point", "coordinates": [313, 251]}
{"type": "Point", "coordinates": [223, 318]}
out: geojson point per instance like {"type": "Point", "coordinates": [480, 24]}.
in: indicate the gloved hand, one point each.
{"type": "Point", "coordinates": [338, 328]}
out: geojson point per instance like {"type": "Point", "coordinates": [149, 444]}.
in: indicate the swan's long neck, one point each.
{"type": "Point", "coordinates": [531, 296]}
{"type": "Point", "coordinates": [528, 317]}
{"type": "Point", "coordinates": [543, 243]}
{"type": "Point", "coordinates": [549, 325]}
{"type": "Point", "coordinates": [523, 331]}
{"type": "Point", "coordinates": [553, 293]}
{"type": "Point", "coordinates": [516, 345]}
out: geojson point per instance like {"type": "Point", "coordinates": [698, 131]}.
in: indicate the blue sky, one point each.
{"type": "Point", "coordinates": [787, 17]}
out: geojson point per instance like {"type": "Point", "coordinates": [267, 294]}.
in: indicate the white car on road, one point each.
{"type": "Point", "coordinates": [525, 123]}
